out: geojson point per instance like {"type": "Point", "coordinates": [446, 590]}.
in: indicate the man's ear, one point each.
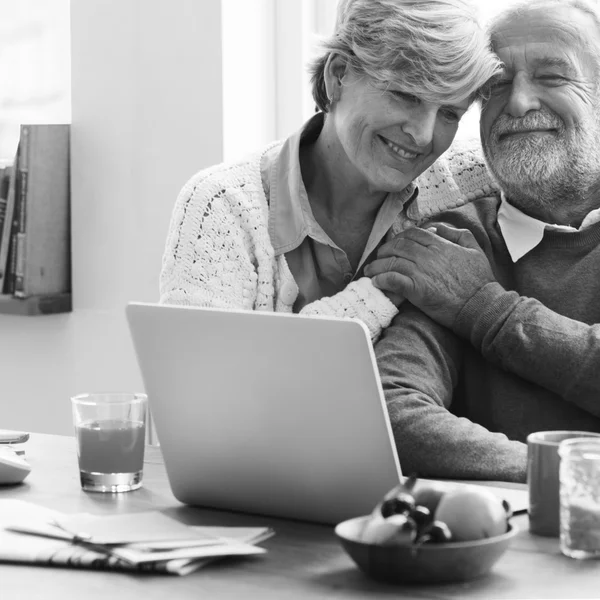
{"type": "Point", "coordinates": [335, 69]}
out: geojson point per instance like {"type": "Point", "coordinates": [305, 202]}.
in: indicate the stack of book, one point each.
{"type": "Point", "coordinates": [35, 218]}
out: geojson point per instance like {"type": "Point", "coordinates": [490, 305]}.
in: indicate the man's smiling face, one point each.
{"type": "Point", "coordinates": [542, 115]}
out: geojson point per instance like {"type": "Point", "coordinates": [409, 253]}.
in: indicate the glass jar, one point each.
{"type": "Point", "coordinates": [580, 497]}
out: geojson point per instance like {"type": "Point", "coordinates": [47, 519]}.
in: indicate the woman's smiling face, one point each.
{"type": "Point", "coordinates": [389, 136]}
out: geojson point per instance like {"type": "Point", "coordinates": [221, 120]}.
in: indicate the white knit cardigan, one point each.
{"type": "Point", "coordinates": [219, 254]}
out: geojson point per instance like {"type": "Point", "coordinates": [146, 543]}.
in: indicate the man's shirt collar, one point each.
{"type": "Point", "coordinates": [523, 233]}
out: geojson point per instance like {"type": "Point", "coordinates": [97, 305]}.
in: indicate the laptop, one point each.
{"type": "Point", "coordinates": [268, 413]}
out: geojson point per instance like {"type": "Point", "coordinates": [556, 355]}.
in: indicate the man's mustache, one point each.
{"type": "Point", "coordinates": [530, 122]}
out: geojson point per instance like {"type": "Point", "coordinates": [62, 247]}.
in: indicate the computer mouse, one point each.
{"type": "Point", "coordinates": [13, 468]}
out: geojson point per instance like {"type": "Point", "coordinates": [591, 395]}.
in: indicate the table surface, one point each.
{"type": "Point", "coordinates": [303, 561]}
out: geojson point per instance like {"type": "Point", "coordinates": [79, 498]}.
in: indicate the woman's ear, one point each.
{"type": "Point", "coordinates": [335, 69]}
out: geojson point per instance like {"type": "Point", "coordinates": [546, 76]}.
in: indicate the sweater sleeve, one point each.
{"type": "Point", "coordinates": [360, 300]}
{"type": "Point", "coordinates": [523, 336]}
{"type": "Point", "coordinates": [419, 362]}
{"type": "Point", "coordinates": [206, 261]}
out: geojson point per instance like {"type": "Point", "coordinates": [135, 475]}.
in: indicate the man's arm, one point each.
{"type": "Point", "coordinates": [447, 275]}
{"type": "Point", "coordinates": [526, 338]}
{"type": "Point", "coordinates": [419, 362]}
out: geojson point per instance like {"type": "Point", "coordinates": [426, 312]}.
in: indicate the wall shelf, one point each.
{"type": "Point", "coordinates": [36, 305]}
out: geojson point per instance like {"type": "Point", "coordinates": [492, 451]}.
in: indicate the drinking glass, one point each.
{"type": "Point", "coordinates": [580, 498]}
{"type": "Point", "coordinates": [111, 431]}
{"type": "Point", "coordinates": [543, 465]}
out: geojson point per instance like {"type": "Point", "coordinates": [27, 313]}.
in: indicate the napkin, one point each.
{"type": "Point", "coordinates": [146, 527]}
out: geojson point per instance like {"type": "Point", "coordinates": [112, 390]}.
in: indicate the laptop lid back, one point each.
{"type": "Point", "coordinates": [264, 412]}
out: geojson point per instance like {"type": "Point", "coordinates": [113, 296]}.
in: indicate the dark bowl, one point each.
{"type": "Point", "coordinates": [427, 563]}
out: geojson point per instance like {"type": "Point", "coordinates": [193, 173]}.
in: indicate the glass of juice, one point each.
{"type": "Point", "coordinates": [111, 432]}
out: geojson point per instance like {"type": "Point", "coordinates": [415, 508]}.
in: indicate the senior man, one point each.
{"type": "Point", "coordinates": [498, 343]}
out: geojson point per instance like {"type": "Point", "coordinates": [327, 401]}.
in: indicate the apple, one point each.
{"type": "Point", "coordinates": [428, 494]}
{"type": "Point", "coordinates": [472, 514]}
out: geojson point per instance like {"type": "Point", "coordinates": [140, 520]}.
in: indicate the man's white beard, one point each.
{"type": "Point", "coordinates": [544, 171]}
{"type": "Point", "coordinates": [530, 171]}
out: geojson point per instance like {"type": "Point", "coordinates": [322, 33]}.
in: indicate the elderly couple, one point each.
{"type": "Point", "coordinates": [477, 276]}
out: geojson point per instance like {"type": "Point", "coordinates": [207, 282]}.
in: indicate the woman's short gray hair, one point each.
{"type": "Point", "coordinates": [436, 50]}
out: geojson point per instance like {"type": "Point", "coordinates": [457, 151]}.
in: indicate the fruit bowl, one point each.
{"type": "Point", "coordinates": [426, 563]}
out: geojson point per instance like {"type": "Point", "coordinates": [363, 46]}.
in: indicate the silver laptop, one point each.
{"type": "Point", "coordinates": [267, 413]}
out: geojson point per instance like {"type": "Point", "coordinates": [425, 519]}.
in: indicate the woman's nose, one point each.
{"type": "Point", "coordinates": [421, 125]}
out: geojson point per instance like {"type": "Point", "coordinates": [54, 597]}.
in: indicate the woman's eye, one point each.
{"type": "Point", "coordinates": [404, 96]}
{"type": "Point", "coordinates": [450, 115]}
{"type": "Point", "coordinates": [499, 86]}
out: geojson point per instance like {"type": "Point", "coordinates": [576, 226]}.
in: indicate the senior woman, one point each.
{"type": "Point", "coordinates": [291, 228]}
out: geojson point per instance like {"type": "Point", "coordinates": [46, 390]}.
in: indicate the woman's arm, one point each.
{"type": "Point", "coordinates": [209, 255]}
{"type": "Point", "coordinates": [361, 300]}
{"type": "Point", "coordinates": [458, 177]}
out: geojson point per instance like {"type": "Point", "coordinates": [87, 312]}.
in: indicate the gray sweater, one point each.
{"type": "Point", "coordinates": [522, 356]}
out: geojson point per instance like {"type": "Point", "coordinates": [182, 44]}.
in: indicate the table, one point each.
{"type": "Point", "coordinates": [304, 560]}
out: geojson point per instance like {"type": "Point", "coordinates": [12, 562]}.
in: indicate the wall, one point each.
{"type": "Point", "coordinates": [267, 45]}
{"type": "Point", "coordinates": [248, 76]}
{"type": "Point", "coordinates": [147, 114]}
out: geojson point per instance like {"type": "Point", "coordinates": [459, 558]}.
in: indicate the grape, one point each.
{"type": "Point", "coordinates": [402, 504]}
{"type": "Point", "coordinates": [422, 516]}
{"type": "Point", "coordinates": [439, 532]}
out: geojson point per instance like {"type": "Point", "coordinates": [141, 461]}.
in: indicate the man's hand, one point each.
{"type": "Point", "coordinates": [437, 269]}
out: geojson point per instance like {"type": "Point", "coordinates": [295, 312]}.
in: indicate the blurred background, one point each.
{"type": "Point", "coordinates": [35, 66]}
{"type": "Point", "coordinates": [266, 44]}
{"type": "Point", "coordinates": [155, 90]}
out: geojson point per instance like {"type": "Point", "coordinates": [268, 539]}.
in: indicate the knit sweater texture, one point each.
{"type": "Point", "coordinates": [219, 254]}
{"type": "Point", "coordinates": [522, 356]}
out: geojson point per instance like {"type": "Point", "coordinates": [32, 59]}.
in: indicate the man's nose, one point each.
{"type": "Point", "coordinates": [523, 97]}
{"type": "Point", "coordinates": [421, 125]}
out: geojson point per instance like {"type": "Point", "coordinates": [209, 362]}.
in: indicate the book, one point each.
{"type": "Point", "coordinates": [9, 278]}
{"type": "Point", "coordinates": [7, 225]}
{"type": "Point", "coordinates": [30, 534]}
{"type": "Point", "coordinates": [4, 183]}
{"type": "Point", "coordinates": [16, 272]}
{"type": "Point", "coordinates": [40, 261]}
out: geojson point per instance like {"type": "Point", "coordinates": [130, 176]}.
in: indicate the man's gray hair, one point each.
{"type": "Point", "coordinates": [436, 50]}
{"type": "Point", "coordinates": [521, 7]}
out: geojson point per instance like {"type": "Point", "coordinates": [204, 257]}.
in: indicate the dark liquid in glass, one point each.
{"type": "Point", "coordinates": [112, 446]}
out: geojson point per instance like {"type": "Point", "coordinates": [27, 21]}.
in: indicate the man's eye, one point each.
{"type": "Point", "coordinates": [551, 78]}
